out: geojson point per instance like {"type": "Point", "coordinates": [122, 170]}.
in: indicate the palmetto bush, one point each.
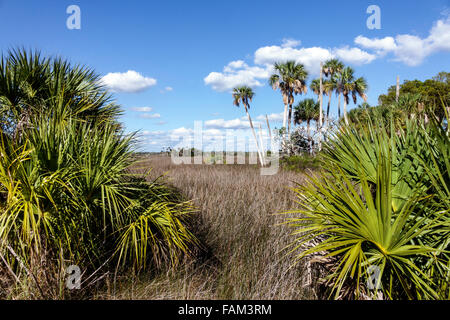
{"type": "Point", "coordinates": [379, 212]}
{"type": "Point", "coordinates": [66, 194]}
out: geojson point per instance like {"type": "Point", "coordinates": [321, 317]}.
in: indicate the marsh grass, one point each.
{"type": "Point", "coordinates": [243, 238]}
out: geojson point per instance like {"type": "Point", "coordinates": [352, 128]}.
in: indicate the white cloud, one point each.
{"type": "Point", "coordinates": [290, 43]}
{"type": "Point", "coordinates": [233, 65]}
{"type": "Point", "coordinates": [150, 115]}
{"type": "Point", "coordinates": [228, 124]}
{"type": "Point", "coordinates": [380, 45]}
{"type": "Point", "coordinates": [310, 57]}
{"type": "Point", "coordinates": [411, 49]}
{"type": "Point", "coordinates": [276, 117]}
{"type": "Point", "coordinates": [439, 38]}
{"type": "Point", "coordinates": [152, 133]}
{"type": "Point", "coordinates": [142, 109]}
{"type": "Point", "coordinates": [130, 81]}
{"type": "Point", "coordinates": [237, 73]}
{"type": "Point", "coordinates": [354, 55]}
{"type": "Point", "coordinates": [166, 89]}
{"type": "Point", "coordinates": [223, 133]}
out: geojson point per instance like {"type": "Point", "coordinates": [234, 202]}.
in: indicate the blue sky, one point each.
{"type": "Point", "coordinates": [174, 62]}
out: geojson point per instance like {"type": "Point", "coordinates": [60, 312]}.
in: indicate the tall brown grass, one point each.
{"type": "Point", "coordinates": [243, 238]}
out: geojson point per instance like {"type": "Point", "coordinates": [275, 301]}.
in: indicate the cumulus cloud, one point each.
{"type": "Point", "coordinates": [354, 55]}
{"type": "Point", "coordinates": [381, 46]}
{"type": "Point", "coordinates": [290, 43]}
{"type": "Point", "coordinates": [411, 49]}
{"type": "Point", "coordinates": [130, 81]}
{"type": "Point", "coordinates": [228, 124]}
{"type": "Point", "coordinates": [276, 117]}
{"type": "Point", "coordinates": [237, 73]}
{"type": "Point", "coordinates": [211, 139]}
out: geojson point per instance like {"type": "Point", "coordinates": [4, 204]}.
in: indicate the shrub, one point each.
{"type": "Point", "coordinates": [382, 202]}
{"type": "Point", "coordinates": [66, 194]}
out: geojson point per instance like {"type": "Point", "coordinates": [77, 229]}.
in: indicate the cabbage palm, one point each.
{"type": "Point", "coordinates": [328, 88]}
{"type": "Point", "coordinates": [332, 68]}
{"type": "Point", "coordinates": [306, 110]}
{"type": "Point", "coordinates": [315, 87]}
{"type": "Point", "coordinates": [244, 95]}
{"type": "Point", "coordinates": [290, 78]}
{"type": "Point", "coordinates": [351, 86]}
{"type": "Point", "coordinates": [31, 84]}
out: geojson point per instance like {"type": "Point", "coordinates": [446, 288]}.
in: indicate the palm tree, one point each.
{"type": "Point", "coordinates": [315, 87]}
{"type": "Point", "coordinates": [29, 84]}
{"type": "Point", "coordinates": [332, 69]}
{"type": "Point", "coordinates": [355, 87]}
{"type": "Point", "coordinates": [244, 95]}
{"type": "Point", "coordinates": [306, 110]}
{"type": "Point", "coordinates": [290, 78]}
{"type": "Point", "coordinates": [66, 192]}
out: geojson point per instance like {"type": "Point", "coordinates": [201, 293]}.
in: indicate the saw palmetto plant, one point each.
{"type": "Point", "coordinates": [382, 201]}
{"type": "Point", "coordinates": [65, 188]}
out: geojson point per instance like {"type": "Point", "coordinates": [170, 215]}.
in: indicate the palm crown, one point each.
{"type": "Point", "coordinates": [306, 110]}
{"type": "Point", "coordinates": [243, 95]}
{"type": "Point", "coordinates": [290, 78]}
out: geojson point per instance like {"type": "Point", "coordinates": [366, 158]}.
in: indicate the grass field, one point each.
{"type": "Point", "coordinates": [243, 254]}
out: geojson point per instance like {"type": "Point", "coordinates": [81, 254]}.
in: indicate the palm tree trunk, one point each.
{"type": "Point", "coordinates": [328, 111]}
{"type": "Point", "coordinates": [345, 111]}
{"type": "Point", "coordinates": [289, 120]}
{"type": "Point", "coordinates": [254, 136]}
{"type": "Point", "coordinates": [327, 119]}
{"type": "Point", "coordinates": [320, 107]}
{"type": "Point", "coordinates": [285, 115]}
{"type": "Point", "coordinates": [308, 132]}
{"type": "Point", "coordinates": [339, 106]}
{"type": "Point", "coordinates": [261, 143]}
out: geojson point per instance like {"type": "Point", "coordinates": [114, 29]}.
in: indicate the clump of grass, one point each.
{"type": "Point", "coordinates": [243, 254]}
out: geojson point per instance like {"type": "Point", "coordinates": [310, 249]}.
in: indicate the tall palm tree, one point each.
{"type": "Point", "coordinates": [290, 78]}
{"type": "Point", "coordinates": [351, 86]}
{"type": "Point", "coordinates": [332, 69]}
{"type": "Point", "coordinates": [307, 110]}
{"type": "Point", "coordinates": [244, 95]}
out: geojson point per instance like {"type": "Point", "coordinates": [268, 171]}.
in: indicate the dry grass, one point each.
{"type": "Point", "coordinates": [243, 256]}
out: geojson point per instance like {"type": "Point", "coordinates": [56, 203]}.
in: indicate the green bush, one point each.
{"type": "Point", "coordinates": [66, 194]}
{"type": "Point", "coordinates": [382, 201]}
